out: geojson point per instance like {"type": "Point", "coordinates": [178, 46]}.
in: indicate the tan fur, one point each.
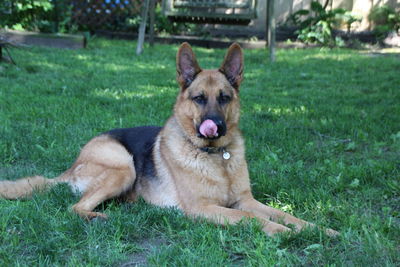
{"type": "Point", "coordinates": [23, 188]}
{"type": "Point", "coordinates": [200, 184]}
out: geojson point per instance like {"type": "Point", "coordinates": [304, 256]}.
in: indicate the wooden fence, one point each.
{"type": "Point", "coordinates": [94, 14]}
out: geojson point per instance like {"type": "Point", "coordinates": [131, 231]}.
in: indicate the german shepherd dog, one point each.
{"type": "Point", "coordinates": [196, 162]}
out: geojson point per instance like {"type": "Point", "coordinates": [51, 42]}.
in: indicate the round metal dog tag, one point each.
{"type": "Point", "coordinates": [226, 155]}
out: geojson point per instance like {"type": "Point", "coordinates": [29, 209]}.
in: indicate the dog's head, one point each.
{"type": "Point", "coordinates": [207, 107]}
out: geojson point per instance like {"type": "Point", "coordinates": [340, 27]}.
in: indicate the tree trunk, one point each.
{"type": "Point", "coordinates": [142, 28]}
{"type": "Point", "coordinates": [271, 29]}
{"type": "Point", "coordinates": [326, 4]}
{"type": "Point", "coordinates": [152, 18]}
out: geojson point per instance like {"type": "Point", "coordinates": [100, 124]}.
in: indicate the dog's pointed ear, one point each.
{"type": "Point", "coordinates": [232, 67]}
{"type": "Point", "coordinates": [186, 66]}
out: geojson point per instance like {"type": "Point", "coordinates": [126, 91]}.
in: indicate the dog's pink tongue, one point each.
{"type": "Point", "coordinates": [208, 129]}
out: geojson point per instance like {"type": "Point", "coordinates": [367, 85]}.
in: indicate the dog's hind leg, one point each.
{"type": "Point", "coordinates": [103, 170]}
{"type": "Point", "coordinates": [112, 185]}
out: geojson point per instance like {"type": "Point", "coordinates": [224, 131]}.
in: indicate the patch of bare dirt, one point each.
{"type": "Point", "coordinates": [147, 246]}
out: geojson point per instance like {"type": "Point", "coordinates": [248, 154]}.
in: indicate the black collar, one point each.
{"type": "Point", "coordinates": [212, 149]}
{"type": "Point", "coordinates": [216, 150]}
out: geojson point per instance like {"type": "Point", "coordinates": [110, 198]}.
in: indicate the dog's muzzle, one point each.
{"type": "Point", "coordinates": [211, 128]}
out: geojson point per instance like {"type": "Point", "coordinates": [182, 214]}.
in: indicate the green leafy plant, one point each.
{"type": "Point", "coordinates": [28, 14]}
{"type": "Point", "coordinates": [348, 18]}
{"type": "Point", "coordinates": [316, 25]}
{"type": "Point", "coordinates": [385, 19]}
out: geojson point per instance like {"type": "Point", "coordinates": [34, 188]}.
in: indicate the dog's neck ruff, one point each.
{"type": "Point", "coordinates": [216, 150]}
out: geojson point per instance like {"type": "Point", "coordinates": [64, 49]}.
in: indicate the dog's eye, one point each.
{"type": "Point", "coordinates": [200, 99]}
{"type": "Point", "coordinates": [223, 99]}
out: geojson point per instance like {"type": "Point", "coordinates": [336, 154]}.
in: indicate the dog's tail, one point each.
{"type": "Point", "coordinates": [24, 187]}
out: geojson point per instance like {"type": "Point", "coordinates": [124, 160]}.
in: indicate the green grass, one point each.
{"type": "Point", "coordinates": [322, 130]}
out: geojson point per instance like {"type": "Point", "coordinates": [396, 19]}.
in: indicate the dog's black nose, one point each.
{"type": "Point", "coordinates": [221, 127]}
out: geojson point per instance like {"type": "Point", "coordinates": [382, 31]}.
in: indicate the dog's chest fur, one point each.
{"type": "Point", "coordinates": [200, 177]}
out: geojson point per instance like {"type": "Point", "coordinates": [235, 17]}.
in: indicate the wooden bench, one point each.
{"type": "Point", "coordinates": [237, 12]}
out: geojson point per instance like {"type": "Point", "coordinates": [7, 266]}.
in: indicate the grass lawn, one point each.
{"type": "Point", "coordinates": [322, 129]}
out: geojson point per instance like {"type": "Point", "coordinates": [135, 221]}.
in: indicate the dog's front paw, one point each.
{"type": "Point", "coordinates": [98, 215]}
{"type": "Point", "coordinates": [274, 228]}
{"type": "Point", "coordinates": [94, 216]}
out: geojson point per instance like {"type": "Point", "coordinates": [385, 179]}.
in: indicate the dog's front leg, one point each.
{"type": "Point", "coordinates": [251, 205]}
{"type": "Point", "coordinates": [222, 215]}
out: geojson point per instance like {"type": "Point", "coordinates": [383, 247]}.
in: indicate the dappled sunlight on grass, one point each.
{"type": "Point", "coordinates": [83, 57]}
{"type": "Point", "coordinates": [279, 203]}
{"type": "Point", "coordinates": [148, 66]}
{"type": "Point", "coordinates": [209, 51]}
{"type": "Point", "coordinates": [257, 108]}
{"type": "Point", "coordinates": [254, 73]}
{"type": "Point", "coordinates": [304, 55]}
{"type": "Point", "coordinates": [121, 94]}
{"type": "Point", "coordinates": [120, 65]}
{"type": "Point", "coordinates": [141, 91]}
{"type": "Point", "coordinates": [333, 56]}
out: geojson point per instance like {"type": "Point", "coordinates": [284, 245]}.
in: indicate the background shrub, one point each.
{"type": "Point", "coordinates": [385, 20]}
